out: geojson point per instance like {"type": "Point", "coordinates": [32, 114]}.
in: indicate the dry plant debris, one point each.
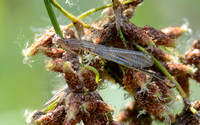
{"type": "Point", "coordinates": [81, 102]}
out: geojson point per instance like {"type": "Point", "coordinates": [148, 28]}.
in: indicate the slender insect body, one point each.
{"type": "Point", "coordinates": [132, 58]}
{"type": "Point", "coordinates": [124, 57]}
{"type": "Point", "coordinates": [128, 58]}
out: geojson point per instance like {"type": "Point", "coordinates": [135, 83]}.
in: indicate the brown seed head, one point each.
{"type": "Point", "coordinates": [55, 65]}
{"type": "Point", "coordinates": [89, 79]}
{"type": "Point", "coordinates": [173, 32]}
{"type": "Point", "coordinates": [55, 117]}
{"type": "Point", "coordinates": [193, 56]}
{"type": "Point", "coordinates": [196, 44]}
{"type": "Point", "coordinates": [90, 103]}
{"type": "Point", "coordinates": [160, 54]}
{"type": "Point", "coordinates": [149, 99]}
{"type": "Point", "coordinates": [177, 69]}
{"type": "Point", "coordinates": [102, 108]}
{"type": "Point", "coordinates": [133, 79]}
{"type": "Point", "coordinates": [158, 37]}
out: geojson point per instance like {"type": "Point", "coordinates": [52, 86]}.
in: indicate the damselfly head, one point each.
{"type": "Point", "coordinates": [72, 44]}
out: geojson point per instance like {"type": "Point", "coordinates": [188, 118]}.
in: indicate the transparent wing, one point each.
{"type": "Point", "coordinates": [125, 57]}
{"type": "Point", "coordinates": [132, 59]}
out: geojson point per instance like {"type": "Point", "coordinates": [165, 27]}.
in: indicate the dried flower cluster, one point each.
{"type": "Point", "coordinates": [80, 101]}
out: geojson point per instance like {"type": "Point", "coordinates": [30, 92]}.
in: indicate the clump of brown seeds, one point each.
{"type": "Point", "coordinates": [80, 101]}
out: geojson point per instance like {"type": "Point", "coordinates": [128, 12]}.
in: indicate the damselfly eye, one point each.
{"type": "Point", "coordinates": [67, 41]}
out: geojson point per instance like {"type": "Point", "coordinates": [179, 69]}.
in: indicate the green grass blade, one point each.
{"type": "Point", "coordinates": [52, 17]}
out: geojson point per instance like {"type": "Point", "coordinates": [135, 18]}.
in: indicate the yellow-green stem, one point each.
{"type": "Point", "coordinates": [91, 11]}
{"type": "Point", "coordinates": [122, 38]}
{"type": "Point", "coordinates": [51, 106]}
{"type": "Point", "coordinates": [67, 14]}
{"type": "Point", "coordinates": [164, 70]}
{"type": "Point", "coordinates": [94, 70]}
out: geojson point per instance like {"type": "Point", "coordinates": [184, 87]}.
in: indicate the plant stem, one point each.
{"type": "Point", "coordinates": [67, 14]}
{"type": "Point", "coordinates": [91, 11]}
{"type": "Point", "coordinates": [94, 70]}
{"type": "Point", "coordinates": [118, 15]}
{"type": "Point", "coordinates": [122, 38]}
{"type": "Point", "coordinates": [53, 17]}
{"type": "Point", "coordinates": [51, 106]}
{"type": "Point", "coordinates": [164, 70]}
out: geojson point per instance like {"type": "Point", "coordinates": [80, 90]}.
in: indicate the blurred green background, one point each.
{"type": "Point", "coordinates": [23, 87]}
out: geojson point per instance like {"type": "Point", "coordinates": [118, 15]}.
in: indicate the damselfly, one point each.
{"type": "Point", "coordinates": [128, 58]}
